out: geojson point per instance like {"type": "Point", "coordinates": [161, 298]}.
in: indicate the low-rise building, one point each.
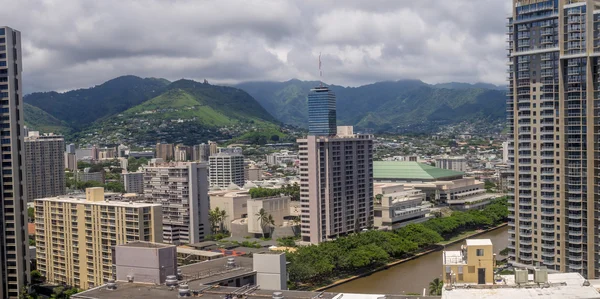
{"type": "Point", "coordinates": [187, 255]}
{"type": "Point", "coordinates": [282, 157]}
{"type": "Point", "coordinates": [474, 263]}
{"type": "Point", "coordinates": [396, 206]}
{"type": "Point", "coordinates": [234, 203]}
{"type": "Point", "coordinates": [452, 163]}
{"type": "Point", "coordinates": [276, 206]}
{"type": "Point", "coordinates": [145, 262]}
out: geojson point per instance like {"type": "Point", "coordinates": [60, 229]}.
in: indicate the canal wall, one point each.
{"type": "Point", "coordinates": [423, 252]}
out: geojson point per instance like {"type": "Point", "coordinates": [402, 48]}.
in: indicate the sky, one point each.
{"type": "Point", "coordinates": [70, 44]}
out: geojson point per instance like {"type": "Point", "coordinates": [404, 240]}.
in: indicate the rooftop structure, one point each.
{"type": "Point", "coordinates": [402, 171]}
{"type": "Point", "coordinates": [474, 263]}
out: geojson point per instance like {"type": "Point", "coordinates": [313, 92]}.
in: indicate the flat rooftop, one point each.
{"type": "Point", "coordinates": [411, 171]}
{"type": "Point", "coordinates": [78, 199]}
{"type": "Point", "coordinates": [561, 286]}
{"type": "Point", "coordinates": [141, 244]}
{"type": "Point", "coordinates": [478, 242]}
{"type": "Point", "coordinates": [198, 252]}
{"type": "Point", "coordinates": [208, 272]}
{"type": "Point", "coordinates": [144, 291]}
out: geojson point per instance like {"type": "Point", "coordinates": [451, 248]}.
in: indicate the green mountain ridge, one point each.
{"type": "Point", "coordinates": [184, 111]}
{"type": "Point", "coordinates": [385, 106]}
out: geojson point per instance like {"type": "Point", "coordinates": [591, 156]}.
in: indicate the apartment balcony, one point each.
{"type": "Point", "coordinates": [574, 266]}
{"type": "Point", "coordinates": [548, 246]}
{"type": "Point", "coordinates": [548, 229]}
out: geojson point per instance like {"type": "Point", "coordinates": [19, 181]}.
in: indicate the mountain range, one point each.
{"type": "Point", "coordinates": [386, 106]}
{"type": "Point", "coordinates": [143, 111]}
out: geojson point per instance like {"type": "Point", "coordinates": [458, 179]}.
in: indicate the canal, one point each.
{"type": "Point", "coordinates": [414, 275]}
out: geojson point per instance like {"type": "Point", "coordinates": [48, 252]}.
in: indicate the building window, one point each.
{"type": "Point", "coordinates": [479, 252]}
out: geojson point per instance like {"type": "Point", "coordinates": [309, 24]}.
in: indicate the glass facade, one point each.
{"type": "Point", "coordinates": [321, 112]}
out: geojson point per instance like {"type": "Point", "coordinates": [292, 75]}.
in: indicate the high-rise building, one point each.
{"type": "Point", "coordinates": [182, 189]}
{"type": "Point", "coordinates": [336, 185]}
{"type": "Point", "coordinates": [133, 182]}
{"type": "Point", "coordinates": [44, 165]}
{"type": "Point", "coordinates": [201, 152]}
{"type": "Point", "coordinates": [554, 152]}
{"type": "Point", "coordinates": [71, 161]}
{"type": "Point", "coordinates": [213, 147]}
{"type": "Point", "coordinates": [226, 167]}
{"type": "Point", "coordinates": [321, 112]}
{"type": "Point", "coordinates": [95, 153]}
{"type": "Point", "coordinates": [183, 153]}
{"type": "Point", "coordinates": [70, 148]}
{"type": "Point", "coordinates": [165, 151]}
{"type": "Point", "coordinates": [75, 235]}
{"type": "Point", "coordinates": [14, 244]}
{"type": "Point", "coordinates": [452, 163]}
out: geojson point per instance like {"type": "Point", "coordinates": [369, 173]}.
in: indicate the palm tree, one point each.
{"type": "Point", "coordinates": [222, 216]}
{"type": "Point", "coordinates": [213, 218]}
{"type": "Point", "coordinates": [265, 219]}
{"type": "Point", "coordinates": [435, 287]}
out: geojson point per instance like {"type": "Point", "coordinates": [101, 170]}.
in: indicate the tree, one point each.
{"type": "Point", "coordinates": [31, 214]}
{"type": "Point", "coordinates": [378, 198]}
{"type": "Point", "coordinates": [37, 277]}
{"type": "Point", "coordinates": [435, 287]}
{"type": "Point", "coordinates": [222, 215]}
{"type": "Point", "coordinates": [275, 138]}
{"type": "Point", "coordinates": [265, 219]}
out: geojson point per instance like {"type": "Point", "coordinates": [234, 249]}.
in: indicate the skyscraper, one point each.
{"type": "Point", "coordinates": [226, 167]}
{"type": "Point", "coordinates": [336, 174]}
{"type": "Point", "coordinates": [554, 151]}
{"type": "Point", "coordinates": [165, 151]}
{"type": "Point", "coordinates": [14, 244]}
{"type": "Point", "coordinates": [321, 112]}
{"type": "Point", "coordinates": [182, 189]}
{"type": "Point", "coordinates": [44, 165]}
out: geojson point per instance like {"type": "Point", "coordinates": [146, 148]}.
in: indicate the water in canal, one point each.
{"type": "Point", "coordinates": [414, 275]}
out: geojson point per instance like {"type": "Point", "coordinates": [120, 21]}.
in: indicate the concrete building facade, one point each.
{"type": "Point", "coordinates": [226, 168]}
{"type": "Point", "coordinates": [133, 182]}
{"type": "Point", "coordinates": [336, 181]}
{"type": "Point", "coordinates": [165, 151]}
{"type": "Point", "coordinates": [553, 105]}
{"type": "Point", "coordinates": [74, 236]}
{"type": "Point", "coordinates": [276, 206]}
{"type": "Point", "coordinates": [182, 189]}
{"type": "Point", "coordinates": [399, 206]}
{"type": "Point", "coordinates": [201, 152]}
{"type": "Point", "coordinates": [474, 263]}
{"type": "Point", "coordinates": [145, 262]}
{"type": "Point", "coordinates": [452, 163]}
{"type": "Point", "coordinates": [44, 165]}
{"type": "Point", "coordinates": [14, 246]}
{"type": "Point", "coordinates": [70, 161]}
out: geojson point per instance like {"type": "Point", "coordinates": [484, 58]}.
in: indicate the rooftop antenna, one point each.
{"type": "Point", "coordinates": [320, 72]}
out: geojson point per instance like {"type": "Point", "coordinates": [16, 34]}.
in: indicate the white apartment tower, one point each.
{"type": "Point", "coordinates": [226, 167]}
{"type": "Point", "coordinates": [182, 189]}
{"type": "Point", "coordinates": [44, 165]}
{"type": "Point", "coordinates": [554, 147]}
{"type": "Point", "coordinates": [14, 245]}
{"type": "Point", "coordinates": [336, 185]}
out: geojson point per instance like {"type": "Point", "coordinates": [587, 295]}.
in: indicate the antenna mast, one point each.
{"type": "Point", "coordinates": [320, 72]}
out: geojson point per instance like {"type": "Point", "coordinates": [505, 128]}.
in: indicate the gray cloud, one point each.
{"type": "Point", "coordinates": [72, 44]}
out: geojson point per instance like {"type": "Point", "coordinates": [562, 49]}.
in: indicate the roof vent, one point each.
{"type": "Point", "coordinates": [130, 278]}
{"type": "Point", "coordinates": [179, 274]}
{"type": "Point", "coordinates": [111, 284]}
{"type": "Point", "coordinates": [540, 275]}
{"type": "Point", "coordinates": [171, 280]}
{"type": "Point", "coordinates": [278, 295]}
{"type": "Point", "coordinates": [230, 262]}
{"type": "Point", "coordinates": [586, 283]}
{"type": "Point", "coordinates": [184, 291]}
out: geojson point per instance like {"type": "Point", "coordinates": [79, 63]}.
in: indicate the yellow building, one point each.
{"type": "Point", "coordinates": [75, 235]}
{"type": "Point", "coordinates": [474, 263]}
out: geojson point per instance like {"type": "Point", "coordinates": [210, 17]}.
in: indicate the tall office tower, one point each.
{"type": "Point", "coordinates": [201, 152]}
{"type": "Point", "coordinates": [44, 165]}
{"type": "Point", "coordinates": [321, 112]}
{"type": "Point", "coordinates": [554, 153]}
{"type": "Point", "coordinates": [75, 235]}
{"type": "Point", "coordinates": [213, 148]}
{"type": "Point", "coordinates": [336, 185]}
{"type": "Point", "coordinates": [165, 151]}
{"type": "Point", "coordinates": [183, 153]}
{"type": "Point", "coordinates": [226, 167]}
{"type": "Point", "coordinates": [133, 182]}
{"type": "Point", "coordinates": [14, 244]}
{"type": "Point", "coordinates": [182, 189]}
{"type": "Point", "coordinates": [70, 148]}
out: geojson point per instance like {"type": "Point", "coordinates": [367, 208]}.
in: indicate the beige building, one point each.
{"type": "Point", "coordinates": [182, 189]}
{"type": "Point", "coordinates": [213, 148]}
{"type": "Point", "coordinates": [14, 252]}
{"type": "Point", "coordinates": [474, 263]}
{"type": "Point", "coordinates": [451, 163]}
{"type": "Point", "coordinates": [75, 235]}
{"type": "Point", "coordinates": [183, 153]}
{"type": "Point", "coordinates": [107, 153]}
{"type": "Point", "coordinates": [71, 161]}
{"type": "Point", "coordinates": [165, 151]}
{"type": "Point", "coordinates": [276, 206]}
{"type": "Point", "coordinates": [336, 181]}
{"type": "Point", "coordinates": [234, 203]}
{"type": "Point", "coordinates": [44, 165]}
{"type": "Point", "coordinates": [397, 205]}
{"type": "Point", "coordinates": [553, 145]}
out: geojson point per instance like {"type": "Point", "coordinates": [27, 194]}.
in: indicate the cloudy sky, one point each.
{"type": "Point", "coordinates": [80, 43]}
